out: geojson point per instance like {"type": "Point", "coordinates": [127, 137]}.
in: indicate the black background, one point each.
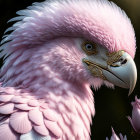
{"type": "Point", "coordinates": [112, 106]}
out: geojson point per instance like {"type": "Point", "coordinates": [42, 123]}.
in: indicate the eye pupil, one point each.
{"type": "Point", "coordinates": [89, 47]}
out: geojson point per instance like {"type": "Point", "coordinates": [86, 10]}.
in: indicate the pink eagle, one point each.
{"type": "Point", "coordinates": [52, 54]}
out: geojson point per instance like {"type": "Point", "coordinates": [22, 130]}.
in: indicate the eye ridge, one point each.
{"type": "Point", "coordinates": [89, 48]}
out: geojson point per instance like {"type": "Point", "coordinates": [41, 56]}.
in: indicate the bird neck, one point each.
{"type": "Point", "coordinates": [75, 106]}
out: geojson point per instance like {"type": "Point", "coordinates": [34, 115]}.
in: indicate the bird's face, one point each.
{"type": "Point", "coordinates": [117, 67]}
{"type": "Point", "coordinates": [93, 20]}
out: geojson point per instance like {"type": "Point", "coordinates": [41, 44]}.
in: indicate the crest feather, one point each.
{"type": "Point", "coordinates": [99, 20]}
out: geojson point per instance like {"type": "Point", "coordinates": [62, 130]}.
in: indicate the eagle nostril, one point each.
{"type": "Point", "coordinates": [124, 61]}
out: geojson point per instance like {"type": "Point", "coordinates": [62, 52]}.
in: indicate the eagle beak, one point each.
{"type": "Point", "coordinates": [120, 70]}
{"type": "Point", "coordinates": [122, 73]}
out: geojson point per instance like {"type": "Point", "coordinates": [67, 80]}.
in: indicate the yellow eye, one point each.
{"type": "Point", "coordinates": [89, 48]}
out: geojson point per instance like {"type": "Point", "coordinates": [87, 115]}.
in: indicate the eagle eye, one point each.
{"type": "Point", "coordinates": [89, 48]}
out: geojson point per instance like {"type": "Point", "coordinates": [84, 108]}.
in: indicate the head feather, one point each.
{"type": "Point", "coordinates": [100, 21]}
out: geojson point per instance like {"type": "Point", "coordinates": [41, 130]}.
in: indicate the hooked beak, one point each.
{"type": "Point", "coordinates": [120, 70]}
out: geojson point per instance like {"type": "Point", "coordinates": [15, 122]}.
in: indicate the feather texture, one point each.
{"type": "Point", "coordinates": [53, 127]}
{"type": "Point", "coordinates": [41, 129]}
{"type": "Point", "coordinates": [7, 108]}
{"type": "Point", "coordinates": [76, 11]}
{"type": "Point", "coordinates": [44, 92]}
{"type": "Point", "coordinates": [6, 133]}
{"type": "Point", "coordinates": [50, 115]}
{"type": "Point", "coordinates": [5, 98]}
{"type": "Point", "coordinates": [36, 116]}
{"type": "Point", "coordinates": [28, 115]}
{"type": "Point", "coordinates": [20, 123]}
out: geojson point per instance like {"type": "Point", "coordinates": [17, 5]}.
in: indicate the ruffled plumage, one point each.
{"type": "Point", "coordinates": [28, 116]}
{"type": "Point", "coordinates": [44, 91]}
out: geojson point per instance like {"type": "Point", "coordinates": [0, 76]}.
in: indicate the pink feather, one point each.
{"type": "Point", "coordinates": [23, 107]}
{"type": "Point", "coordinates": [5, 98]}
{"type": "Point", "coordinates": [42, 130]}
{"type": "Point", "coordinates": [53, 127]}
{"type": "Point", "coordinates": [36, 116]}
{"type": "Point", "coordinates": [50, 115]}
{"type": "Point", "coordinates": [20, 123]}
{"type": "Point", "coordinates": [6, 133]}
{"type": "Point", "coordinates": [7, 108]}
{"type": "Point", "coordinates": [33, 103]}
{"type": "Point", "coordinates": [19, 99]}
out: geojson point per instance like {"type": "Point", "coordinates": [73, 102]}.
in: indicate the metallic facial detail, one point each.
{"type": "Point", "coordinates": [95, 69]}
{"type": "Point", "coordinates": [89, 48]}
{"type": "Point", "coordinates": [114, 57]}
{"type": "Point", "coordinates": [117, 67]}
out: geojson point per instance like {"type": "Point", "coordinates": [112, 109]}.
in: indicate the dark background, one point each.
{"type": "Point", "coordinates": [112, 106]}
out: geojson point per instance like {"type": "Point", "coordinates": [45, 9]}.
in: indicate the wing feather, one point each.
{"type": "Point", "coordinates": [6, 133]}
{"type": "Point", "coordinates": [25, 114]}
{"type": "Point", "coordinates": [42, 130]}
{"type": "Point", "coordinates": [36, 116]}
{"type": "Point", "coordinates": [23, 107]}
{"type": "Point", "coordinates": [20, 123]}
{"type": "Point", "coordinates": [7, 108]}
{"type": "Point", "coordinates": [53, 127]}
{"type": "Point", "coordinates": [5, 98]}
